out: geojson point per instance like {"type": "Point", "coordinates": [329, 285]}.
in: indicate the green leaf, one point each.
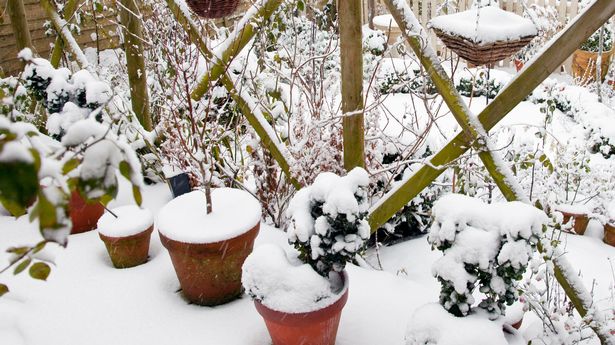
{"type": "Point", "coordinates": [40, 270]}
{"type": "Point", "coordinates": [18, 186]}
{"type": "Point", "coordinates": [18, 250]}
{"type": "Point", "coordinates": [125, 169]}
{"type": "Point", "coordinates": [22, 266]}
{"type": "Point", "coordinates": [70, 166]}
{"type": "Point", "coordinates": [39, 246]}
{"type": "Point", "coordinates": [136, 192]}
{"type": "Point", "coordinates": [3, 289]}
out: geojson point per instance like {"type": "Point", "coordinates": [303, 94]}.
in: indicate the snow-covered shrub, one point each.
{"type": "Point", "coordinates": [592, 44]}
{"type": "Point", "coordinates": [546, 19]}
{"type": "Point", "coordinates": [406, 81]}
{"type": "Point", "coordinates": [479, 87]}
{"type": "Point", "coordinates": [329, 220]}
{"type": "Point", "coordinates": [486, 248]}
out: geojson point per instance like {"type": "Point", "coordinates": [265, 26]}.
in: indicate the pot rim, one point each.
{"type": "Point", "coordinates": [301, 318]}
{"type": "Point", "coordinates": [252, 232]}
{"type": "Point", "coordinates": [112, 239]}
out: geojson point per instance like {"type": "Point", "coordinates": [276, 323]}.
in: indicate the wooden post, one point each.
{"type": "Point", "coordinates": [135, 62]}
{"type": "Point", "coordinates": [17, 13]}
{"type": "Point", "coordinates": [244, 32]}
{"type": "Point", "coordinates": [351, 52]}
{"type": "Point", "coordinates": [58, 46]}
{"type": "Point", "coordinates": [371, 13]}
{"type": "Point", "coordinates": [264, 131]}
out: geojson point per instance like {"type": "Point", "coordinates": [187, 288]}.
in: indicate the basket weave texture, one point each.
{"type": "Point", "coordinates": [482, 54]}
{"type": "Point", "coordinates": [212, 9]}
{"type": "Point", "coordinates": [584, 65]}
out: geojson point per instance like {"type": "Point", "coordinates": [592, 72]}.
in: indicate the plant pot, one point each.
{"type": "Point", "coordinates": [210, 273]}
{"type": "Point", "coordinates": [318, 327]}
{"type": "Point", "coordinates": [83, 215]}
{"type": "Point", "coordinates": [129, 251]}
{"type": "Point", "coordinates": [579, 221]}
{"type": "Point", "coordinates": [126, 233]}
{"type": "Point", "coordinates": [212, 9]}
{"type": "Point", "coordinates": [584, 65]}
{"type": "Point", "coordinates": [609, 234]}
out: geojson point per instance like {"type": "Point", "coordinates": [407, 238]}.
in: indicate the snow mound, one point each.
{"type": "Point", "coordinates": [131, 220]}
{"type": "Point", "coordinates": [284, 283]}
{"type": "Point", "coordinates": [433, 325]}
{"type": "Point", "coordinates": [185, 218]}
{"type": "Point", "coordinates": [494, 25]}
{"type": "Point", "coordinates": [454, 212]}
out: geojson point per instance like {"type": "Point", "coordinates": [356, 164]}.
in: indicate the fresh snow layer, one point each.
{"type": "Point", "coordinates": [494, 24]}
{"type": "Point", "coordinates": [144, 306]}
{"type": "Point", "coordinates": [131, 220]}
{"type": "Point", "coordinates": [285, 283]}
{"type": "Point", "coordinates": [385, 21]}
{"type": "Point", "coordinates": [574, 209]}
{"type": "Point", "coordinates": [432, 324]}
{"type": "Point", "coordinates": [185, 218]}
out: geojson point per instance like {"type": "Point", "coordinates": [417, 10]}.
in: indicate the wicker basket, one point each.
{"type": "Point", "coordinates": [584, 65]}
{"type": "Point", "coordinates": [482, 54]}
{"type": "Point", "coordinates": [212, 9]}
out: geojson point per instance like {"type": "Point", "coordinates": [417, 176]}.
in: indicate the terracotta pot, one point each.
{"type": "Point", "coordinates": [210, 273]}
{"type": "Point", "coordinates": [609, 234]}
{"type": "Point", "coordinates": [83, 215]}
{"type": "Point", "coordinates": [318, 327]}
{"type": "Point", "coordinates": [128, 251]}
{"type": "Point", "coordinates": [584, 65]}
{"type": "Point", "coordinates": [579, 222]}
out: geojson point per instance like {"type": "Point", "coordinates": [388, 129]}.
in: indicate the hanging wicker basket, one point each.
{"type": "Point", "coordinates": [212, 9]}
{"type": "Point", "coordinates": [482, 54]}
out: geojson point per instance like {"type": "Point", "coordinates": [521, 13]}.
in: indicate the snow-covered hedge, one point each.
{"type": "Point", "coordinates": [329, 220]}
{"type": "Point", "coordinates": [486, 248]}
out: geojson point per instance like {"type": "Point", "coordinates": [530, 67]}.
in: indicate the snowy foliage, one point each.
{"type": "Point", "coordinates": [486, 248]}
{"type": "Point", "coordinates": [329, 220]}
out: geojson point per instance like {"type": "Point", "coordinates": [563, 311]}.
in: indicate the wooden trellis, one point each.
{"type": "Point", "coordinates": [474, 128]}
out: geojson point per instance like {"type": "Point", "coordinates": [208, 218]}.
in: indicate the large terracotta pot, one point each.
{"type": "Point", "coordinates": [83, 215]}
{"type": "Point", "coordinates": [579, 221]}
{"type": "Point", "coordinates": [210, 273]}
{"type": "Point", "coordinates": [609, 233]}
{"type": "Point", "coordinates": [128, 251]}
{"type": "Point", "coordinates": [584, 65]}
{"type": "Point", "coordinates": [318, 327]}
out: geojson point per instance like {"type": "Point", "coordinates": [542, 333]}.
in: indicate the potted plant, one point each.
{"type": "Point", "coordinates": [126, 232]}
{"type": "Point", "coordinates": [585, 58]}
{"type": "Point", "coordinates": [209, 233]}
{"type": "Point", "coordinates": [300, 296]}
{"type": "Point", "coordinates": [609, 225]}
{"type": "Point", "coordinates": [578, 214]}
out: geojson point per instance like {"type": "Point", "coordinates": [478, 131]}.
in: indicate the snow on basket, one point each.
{"type": "Point", "coordinates": [484, 35]}
{"type": "Point", "coordinates": [212, 9]}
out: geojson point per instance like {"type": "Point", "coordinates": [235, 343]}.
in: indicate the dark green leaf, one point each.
{"type": "Point", "coordinates": [136, 192]}
{"type": "Point", "coordinates": [3, 289]}
{"type": "Point", "coordinates": [39, 246]}
{"type": "Point", "coordinates": [125, 169]}
{"type": "Point", "coordinates": [18, 250]}
{"type": "Point", "coordinates": [40, 270]}
{"type": "Point", "coordinates": [18, 186]}
{"type": "Point", "coordinates": [22, 266]}
{"type": "Point", "coordinates": [70, 166]}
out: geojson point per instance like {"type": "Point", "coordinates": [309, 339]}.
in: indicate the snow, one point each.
{"type": "Point", "coordinates": [431, 324]}
{"type": "Point", "coordinates": [145, 304]}
{"type": "Point", "coordinates": [385, 21]}
{"type": "Point", "coordinates": [282, 282]}
{"type": "Point", "coordinates": [185, 218]}
{"type": "Point", "coordinates": [131, 220]}
{"type": "Point", "coordinates": [573, 209]}
{"type": "Point", "coordinates": [15, 152]}
{"type": "Point", "coordinates": [494, 25]}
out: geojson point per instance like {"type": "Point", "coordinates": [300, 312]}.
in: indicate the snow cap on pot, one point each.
{"type": "Point", "coordinates": [329, 220]}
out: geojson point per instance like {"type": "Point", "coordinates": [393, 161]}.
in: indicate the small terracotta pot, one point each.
{"type": "Point", "coordinates": [128, 251]}
{"type": "Point", "coordinates": [579, 222]}
{"type": "Point", "coordinates": [318, 327]}
{"type": "Point", "coordinates": [210, 273]}
{"type": "Point", "coordinates": [83, 215]}
{"type": "Point", "coordinates": [609, 234]}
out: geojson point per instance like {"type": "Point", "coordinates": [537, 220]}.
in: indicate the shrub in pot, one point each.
{"type": "Point", "coordinates": [209, 236]}
{"type": "Point", "coordinates": [126, 232]}
{"type": "Point", "coordinates": [584, 59]}
{"type": "Point", "coordinates": [301, 295]}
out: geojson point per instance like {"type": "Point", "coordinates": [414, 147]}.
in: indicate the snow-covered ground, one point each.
{"type": "Point", "coordinates": [87, 301]}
